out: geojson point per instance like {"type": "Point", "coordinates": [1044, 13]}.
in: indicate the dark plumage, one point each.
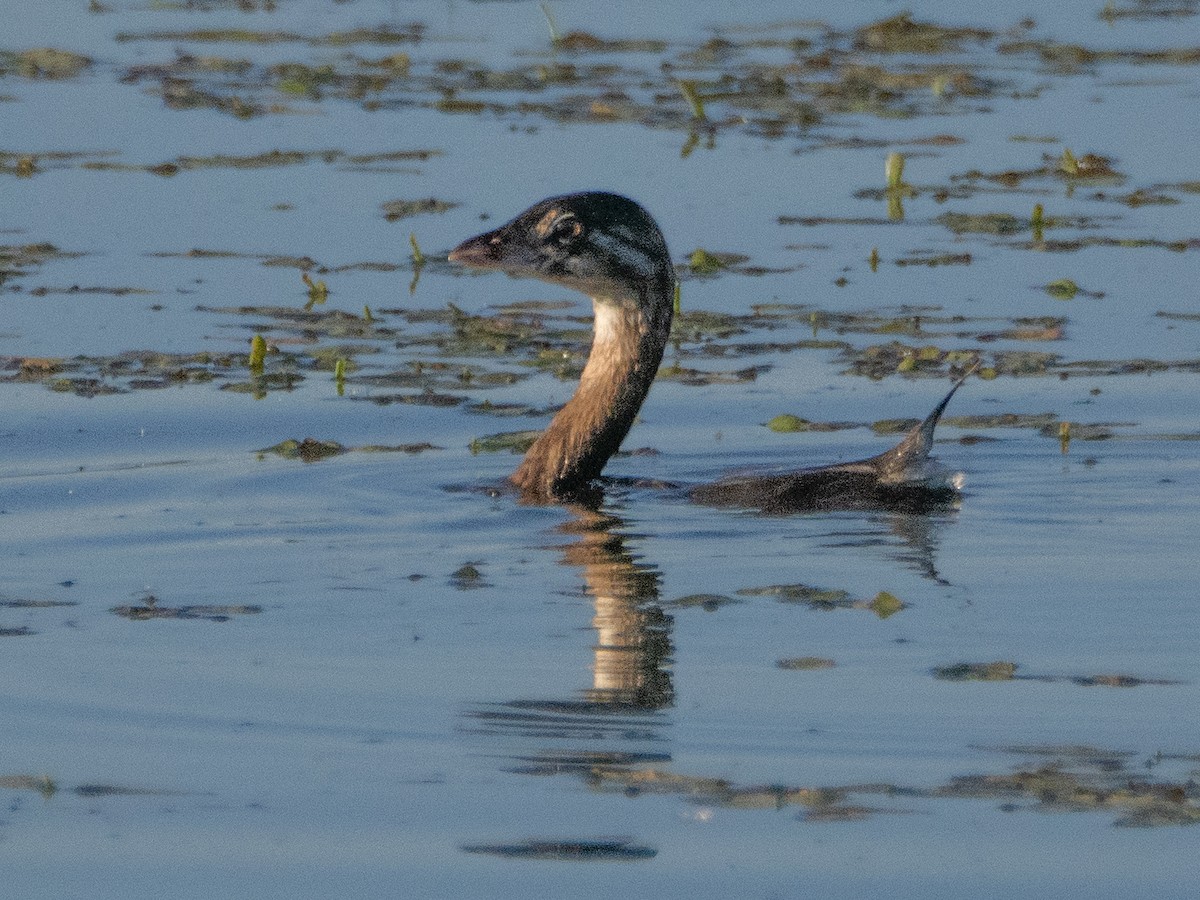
{"type": "Point", "coordinates": [609, 247]}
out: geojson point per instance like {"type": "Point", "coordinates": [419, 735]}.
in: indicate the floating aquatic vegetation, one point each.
{"type": "Point", "coordinates": [1089, 169]}
{"type": "Point", "coordinates": [113, 790]}
{"type": "Point", "coordinates": [718, 85]}
{"type": "Point", "coordinates": [1082, 431]}
{"type": "Point", "coordinates": [1070, 57]}
{"type": "Point", "coordinates": [424, 398]}
{"type": "Point", "coordinates": [26, 165]}
{"type": "Point", "coordinates": [394, 210]}
{"type": "Point", "coordinates": [505, 410]}
{"type": "Point", "coordinates": [468, 577]}
{"type": "Point", "coordinates": [786, 423]}
{"type": "Point", "coordinates": [1067, 289]}
{"type": "Point", "coordinates": [43, 62]}
{"type": "Point", "coordinates": [900, 34]}
{"type": "Point", "coordinates": [151, 608]}
{"type": "Point", "coordinates": [310, 324]}
{"type": "Point", "coordinates": [701, 377]}
{"type": "Point", "coordinates": [313, 450]}
{"type": "Point", "coordinates": [880, 360]}
{"type": "Point", "coordinates": [1071, 246]}
{"type": "Point", "coordinates": [1141, 197]}
{"type": "Point", "coordinates": [318, 291]}
{"type": "Point", "coordinates": [410, 449]}
{"type": "Point", "coordinates": [384, 34]}
{"type": "Point", "coordinates": [42, 784]}
{"type": "Point", "coordinates": [619, 849]}
{"type": "Point", "coordinates": [1003, 420]}
{"type": "Point", "coordinates": [883, 604]}
{"type": "Point", "coordinates": [16, 260]}
{"type": "Point", "coordinates": [23, 603]}
{"type": "Point", "coordinates": [1007, 671]}
{"type": "Point", "coordinates": [309, 450]}
{"type": "Point", "coordinates": [805, 663]}
{"type": "Point", "coordinates": [701, 262]}
{"type": "Point", "coordinates": [508, 441]}
{"type": "Point", "coordinates": [261, 385]}
{"type": "Point", "coordinates": [78, 289]}
{"type": "Point", "coordinates": [933, 260]}
{"type": "Point", "coordinates": [270, 159]}
{"type": "Point", "coordinates": [985, 223]}
{"type": "Point", "coordinates": [700, 324]}
{"type": "Point", "coordinates": [706, 602]}
{"type": "Point", "coordinates": [1148, 9]}
{"type": "Point", "coordinates": [992, 671]}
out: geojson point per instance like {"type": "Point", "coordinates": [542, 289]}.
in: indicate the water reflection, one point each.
{"type": "Point", "coordinates": [633, 633]}
{"type": "Point", "coordinates": [621, 715]}
{"type": "Point", "coordinates": [913, 538]}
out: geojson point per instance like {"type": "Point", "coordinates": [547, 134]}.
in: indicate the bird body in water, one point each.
{"type": "Point", "coordinates": [608, 247]}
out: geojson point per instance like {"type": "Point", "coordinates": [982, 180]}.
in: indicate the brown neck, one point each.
{"type": "Point", "coordinates": [630, 335]}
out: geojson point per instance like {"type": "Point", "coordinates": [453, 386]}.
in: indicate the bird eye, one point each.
{"type": "Point", "coordinates": [566, 230]}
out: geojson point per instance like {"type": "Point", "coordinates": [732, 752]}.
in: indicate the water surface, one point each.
{"type": "Point", "coordinates": [230, 672]}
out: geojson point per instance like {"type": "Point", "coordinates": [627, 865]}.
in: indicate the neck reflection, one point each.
{"type": "Point", "coordinates": [619, 719]}
{"type": "Point", "coordinates": [633, 634]}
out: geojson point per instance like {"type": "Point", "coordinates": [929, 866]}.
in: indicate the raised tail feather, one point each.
{"type": "Point", "coordinates": [899, 464]}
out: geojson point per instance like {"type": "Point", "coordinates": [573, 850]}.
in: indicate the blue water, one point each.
{"type": "Point", "coordinates": [338, 707]}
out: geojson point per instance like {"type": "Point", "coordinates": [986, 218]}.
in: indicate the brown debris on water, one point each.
{"type": "Point", "coordinates": [43, 63]}
{"type": "Point", "coordinates": [384, 34]}
{"type": "Point", "coordinates": [308, 450]}
{"type": "Point", "coordinates": [394, 210]}
{"type": "Point", "coordinates": [901, 34]}
{"type": "Point", "coordinates": [884, 604]}
{"type": "Point", "coordinates": [805, 663]}
{"type": "Point", "coordinates": [580, 850]}
{"type": "Point", "coordinates": [151, 607]}
{"type": "Point", "coordinates": [1055, 779]}
{"type": "Point", "coordinates": [1071, 57]}
{"type": "Point", "coordinates": [269, 159]}
{"type": "Point", "coordinates": [585, 42]}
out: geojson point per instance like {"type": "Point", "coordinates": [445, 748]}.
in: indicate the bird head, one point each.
{"type": "Point", "coordinates": [602, 244]}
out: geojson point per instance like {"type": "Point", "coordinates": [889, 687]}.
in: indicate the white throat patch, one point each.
{"type": "Point", "coordinates": [607, 324]}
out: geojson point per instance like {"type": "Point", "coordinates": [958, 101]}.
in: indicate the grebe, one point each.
{"type": "Point", "coordinates": [608, 247]}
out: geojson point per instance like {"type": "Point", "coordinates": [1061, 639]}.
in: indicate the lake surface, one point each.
{"type": "Point", "coordinates": [348, 666]}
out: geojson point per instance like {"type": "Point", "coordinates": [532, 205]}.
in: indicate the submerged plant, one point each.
{"type": "Point", "coordinates": [258, 354]}
{"type": "Point", "coordinates": [1062, 289]}
{"type": "Point", "coordinates": [897, 188]}
{"type": "Point", "coordinates": [318, 291]}
{"type": "Point", "coordinates": [695, 101]}
{"type": "Point", "coordinates": [893, 168]}
{"type": "Point", "coordinates": [702, 262]}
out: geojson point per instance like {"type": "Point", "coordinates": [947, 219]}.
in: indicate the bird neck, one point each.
{"type": "Point", "coordinates": [630, 334]}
